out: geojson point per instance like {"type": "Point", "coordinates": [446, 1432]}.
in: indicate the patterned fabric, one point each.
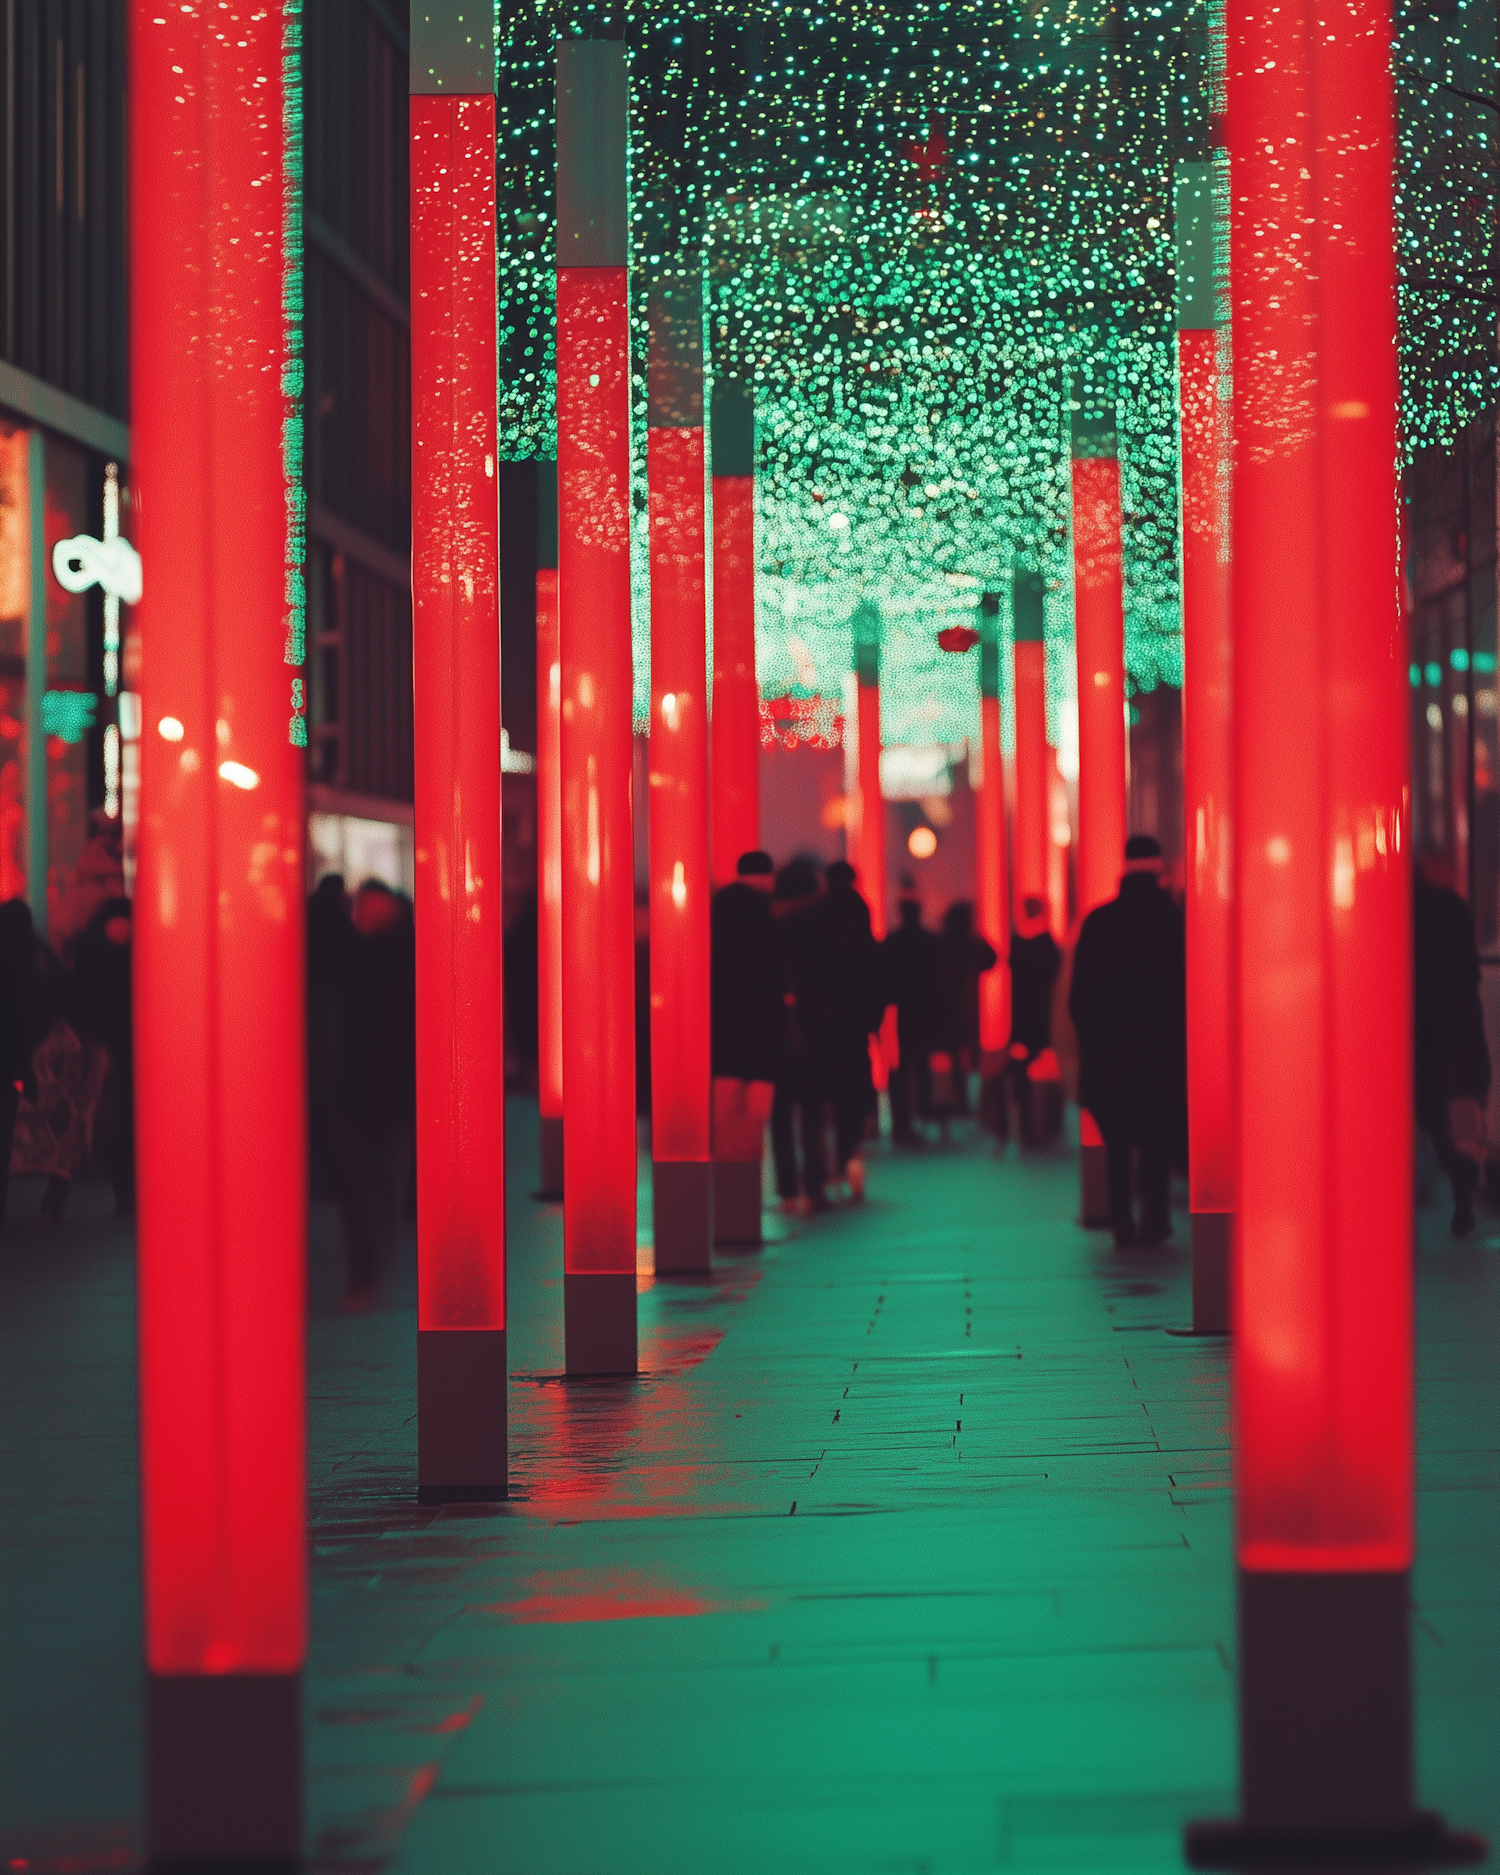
{"type": "Point", "coordinates": [54, 1133]}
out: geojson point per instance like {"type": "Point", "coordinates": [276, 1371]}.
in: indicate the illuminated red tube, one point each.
{"type": "Point", "coordinates": [994, 924]}
{"type": "Point", "coordinates": [219, 941]}
{"type": "Point", "coordinates": [593, 561]}
{"type": "Point", "coordinates": [1322, 906]}
{"type": "Point", "coordinates": [1032, 808]}
{"type": "Point", "coordinates": [1099, 637]}
{"type": "Point", "coordinates": [868, 857]}
{"type": "Point", "coordinates": [1206, 748]}
{"type": "Point", "coordinates": [736, 711]}
{"type": "Point", "coordinates": [461, 1436]}
{"type": "Point", "coordinates": [681, 1096]}
{"type": "Point", "coordinates": [549, 846]}
{"type": "Point", "coordinates": [1059, 843]}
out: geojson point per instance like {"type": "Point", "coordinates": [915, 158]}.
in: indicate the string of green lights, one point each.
{"type": "Point", "coordinates": [917, 223]}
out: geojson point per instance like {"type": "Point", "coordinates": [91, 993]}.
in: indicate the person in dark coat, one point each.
{"type": "Point", "coordinates": [910, 965]}
{"type": "Point", "coordinates": [964, 956]}
{"type": "Point", "coordinates": [25, 1016]}
{"type": "Point", "coordinates": [1035, 960]}
{"type": "Point", "coordinates": [101, 1012]}
{"type": "Point", "coordinates": [1128, 1001]}
{"type": "Point", "coordinates": [840, 1003]}
{"type": "Point", "coordinates": [748, 1010]}
{"type": "Point", "coordinates": [798, 1103]}
{"type": "Point", "coordinates": [1451, 1055]}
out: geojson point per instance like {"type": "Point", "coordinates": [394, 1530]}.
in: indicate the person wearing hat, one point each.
{"type": "Point", "coordinates": [1128, 1002]}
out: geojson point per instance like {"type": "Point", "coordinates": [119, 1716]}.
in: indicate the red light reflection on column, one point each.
{"type": "Point", "coordinates": [1031, 772]}
{"type": "Point", "coordinates": [994, 985]}
{"type": "Point", "coordinates": [593, 549]}
{"type": "Point", "coordinates": [1206, 761]}
{"type": "Point", "coordinates": [219, 942]}
{"type": "Point", "coordinates": [1323, 1274]}
{"type": "Point", "coordinates": [678, 753]}
{"type": "Point", "coordinates": [549, 847]}
{"type": "Point", "coordinates": [736, 711]}
{"type": "Point", "coordinates": [870, 861]}
{"type": "Point", "coordinates": [1099, 634]}
{"type": "Point", "coordinates": [456, 728]}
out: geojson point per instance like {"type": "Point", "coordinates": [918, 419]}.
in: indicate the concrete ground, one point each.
{"type": "Point", "coordinates": [908, 1550]}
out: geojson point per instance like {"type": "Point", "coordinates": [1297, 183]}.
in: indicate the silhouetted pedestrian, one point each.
{"type": "Point", "coordinates": [102, 1014]}
{"type": "Point", "coordinates": [748, 1008]}
{"type": "Point", "coordinates": [910, 962]}
{"type": "Point", "coordinates": [797, 1106]}
{"type": "Point", "coordinates": [1035, 960]}
{"type": "Point", "coordinates": [841, 1005]}
{"type": "Point", "coordinates": [23, 1021]}
{"type": "Point", "coordinates": [964, 956]}
{"type": "Point", "coordinates": [1128, 1001]}
{"type": "Point", "coordinates": [1451, 1056]}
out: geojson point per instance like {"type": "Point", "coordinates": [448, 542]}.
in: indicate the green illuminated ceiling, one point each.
{"type": "Point", "coordinates": [917, 222]}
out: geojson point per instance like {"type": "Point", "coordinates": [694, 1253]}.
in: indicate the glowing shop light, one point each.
{"type": "Point", "coordinates": [921, 843]}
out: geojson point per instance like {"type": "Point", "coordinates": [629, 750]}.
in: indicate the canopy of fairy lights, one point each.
{"type": "Point", "coordinates": [918, 222]}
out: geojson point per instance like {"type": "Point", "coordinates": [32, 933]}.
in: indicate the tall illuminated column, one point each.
{"type": "Point", "coordinates": [549, 843]}
{"type": "Point", "coordinates": [1099, 638]}
{"type": "Point", "coordinates": [1032, 803]}
{"type": "Point", "coordinates": [593, 569]}
{"type": "Point", "coordinates": [1322, 907]}
{"type": "Point", "coordinates": [736, 701]}
{"type": "Point", "coordinates": [461, 1433]}
{"type": "Point", "coordinates": [681, 1110]}
{"type": "Point", "coordinates": [219, 942]}
{"type": "Point", "coordinates": [869, 840]}
{"type": "Point", "coordinates": [994, 921]}
{"type": "Point", "coordinates": [1206, 746]}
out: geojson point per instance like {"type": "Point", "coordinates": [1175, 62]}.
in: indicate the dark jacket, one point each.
{"type": "Point", "coordinates": [1452, 1057]}
{"type": "Point", "coordinates": [911, 962]}
{"type": "Point", "coordinates": [1034, 964]}
{"type": "Point", "coordinates": [748, 990]}
{"type": "Point", "coordinates": [836, 980]}
{"type": "Point", "coordinates": [963, 957]}
{"type": "Point", "coordinates": [1128, 1001]}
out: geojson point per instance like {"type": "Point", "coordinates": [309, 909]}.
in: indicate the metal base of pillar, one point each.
{"type": "Point", "coordinates": [737, 1201]}
{"type": "Point", "coordinates": [599, 1324]}
{"type": "Point", "coordinates": [1213, 1234]}
{"type": "Point", "coordinates": [551, 1189]}
{"type": "Point", "coordinates": [1093, 1166]}
{"type": "Point", "coordinates": [461, 1415]}
{"type": "Point", "coordinates": [1326, 1731]}
{"type": "Point", "coordinates": [682, 1214]}
{"type": "Point", "coordinates": [224, 1771]}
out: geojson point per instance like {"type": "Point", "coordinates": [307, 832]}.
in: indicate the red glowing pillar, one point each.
{"type": "Point", "coordinates": [1323, 1263]}
{"type": "Point", "coordinates": [736, 707]}
{"type": "Point", "coordinates": [681, 1089]}
{"type": "Point", "coordinates": [1059, 843]}
{"type": "Point", "coordinates": [1032, 795]}
{"type": "Point", "coordinates": [868, 856]}
{"type": "Point", "coordinates": [549, 848]}
{"type": "Point", "coordinates": [593, 566]}
{"type": "Point", "coordinates": [219, 983]}
{"type": "Point", "coordinates": [994, 923]}
{"type": "Point", "coordinates": [1099, 636]}
{"type": "Point", "coordinates": [1206, 747]}
{"type": "Point", "coordinates": [461, 1440]}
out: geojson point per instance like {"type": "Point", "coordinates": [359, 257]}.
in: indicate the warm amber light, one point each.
{"type": "Point", "coordinates": [921, 843]}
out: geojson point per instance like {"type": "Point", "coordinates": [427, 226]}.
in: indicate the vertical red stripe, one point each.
{"type": "Point", "coordinates": [870, 855]}
{"type": "Point", "coordinates": [593, 549]}
{"type": "Point", "coordinates": [994, 985]}
{"type": "Point", "coordinates": [678, 750]}
{"type": "Point", "coordinates": [1323, 1274]}
{"type": "Point", "coordinates": [549, 848]}
{"type": "Point", "coordinates": [1032, 806]}
{"type": "Point", "coordinates": [1099, 635]}
{"type": "Point", "coordinates": [456, 742]}
{"type": "Point", "coordinates": [221, 1120]}
{"type": "Point", "coordinates": [736, 710]}
{"type": "Point", "coordinates": [1206, 764]}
